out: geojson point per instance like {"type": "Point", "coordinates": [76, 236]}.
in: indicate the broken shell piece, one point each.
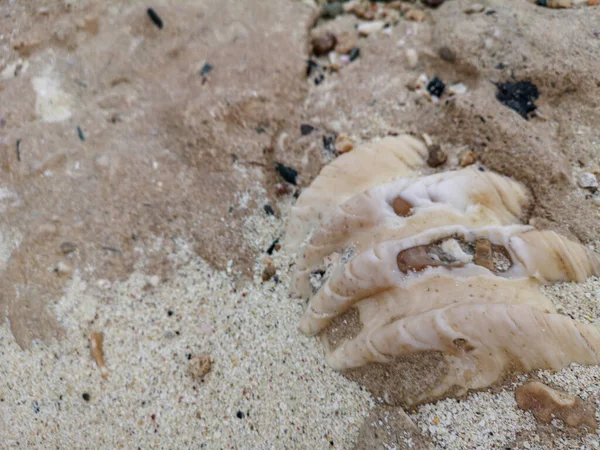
{"type": "Point", "coordinates": [97, 351]}
{"type": "Point", "coordinates": [350, 174]}
{"type": "Point", "coordinates": [546, 403]}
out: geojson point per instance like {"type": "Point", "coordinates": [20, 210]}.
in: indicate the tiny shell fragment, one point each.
{"type": "Point", "coordinates": [467, 158]}
{"type": "Point", "coordinates": [96, 340]}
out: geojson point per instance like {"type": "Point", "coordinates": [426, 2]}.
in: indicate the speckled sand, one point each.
{"type": "Point", "coordinates": [261, 366]}
{"type": "Point", "coordinates": [264, 370]}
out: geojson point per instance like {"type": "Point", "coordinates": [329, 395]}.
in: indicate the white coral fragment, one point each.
{"type": "Point", "coordinates": [437, 263]}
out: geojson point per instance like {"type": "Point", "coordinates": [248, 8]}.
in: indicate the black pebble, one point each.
{"type": "Point", "coordinates": [272, 246]}
{"type": "Point", "coordinates": [306, 129]}
{"type": "Point", "coordinates": [155, 18]}
{"type": "Point", "coordinates": [319, 78]}
{"type": "Point", "coordinates": [436, 87]}
{"type": "Point", "coordinates": [433, 3]}
{"type": "Point", "coordinates": [269, 210]}
{"type": "Point", "coordinates": [287, 173]}
{"type": "Point", "coordinates": [86, 396]}
{"type": "Point", "coordinates": [354, 53]}
{"type": "Point", "coordinates": [328, 143]}
{"type": "Point", "coordinates": [240, 415]}
{"type": "Point", "coordinates": [518, 96]}
{"type": "Point", "coordinates": [310, 66]}
{"type": "Point", "coordinates": [169, 313]}
{"type": "Point", "coordinates": [205, 69]}
{"type": "Point", "coordinates": [541, 3]}
{"type": "Point", "coordinates": [80, 133]}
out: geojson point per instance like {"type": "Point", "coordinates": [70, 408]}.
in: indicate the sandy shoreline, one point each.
{"type": "Point", "coordinates": [139, 196]}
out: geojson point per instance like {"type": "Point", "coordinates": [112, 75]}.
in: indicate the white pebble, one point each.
{"type": "Point", "coordinates": [474, 8]}
{"type": "Point", "coordinates": [457, 89]}
{"type": "Point", "coordinates": [412, 58]}
{"type": "Point", "coordinates": [366, 28]}
{"type": "Point", "coordinates": [587, 180]}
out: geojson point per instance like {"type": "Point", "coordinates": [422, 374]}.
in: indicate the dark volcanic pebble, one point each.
{"type": "Point", "coordinates": [518, 96]}
{"type": "Point", "coordinates": [205, 69]}
{"type": "Point", "coordinates": [306, 129]}
{"type": "Point", "coordinates": [436, 87]}
{"type": "Point", "coordinates": [269, 210]}
{"type": "Point", "coordinates": [287, 173]}
{"type": "Point", "coordinates": [273, 246]}
{"type": "Point", "coordinates": [329, 143]}
{"type": "Point", "coordinates": [354, 53]}
{"type": "Point", "coordinates": [310, 66]}
{"type": "Point", "coordinates": [155, 18]}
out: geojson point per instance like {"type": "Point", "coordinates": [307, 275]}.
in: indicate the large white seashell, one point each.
{"type": "Point", "coordinates": [465, 197]}
{"type": "Point", "coordinates": [440, 263]}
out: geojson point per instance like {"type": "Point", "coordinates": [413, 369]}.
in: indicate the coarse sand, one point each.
{"type": "Point", "coordinates": [269, 386]}
{"type": "Point", "coordinates": [116, 141]}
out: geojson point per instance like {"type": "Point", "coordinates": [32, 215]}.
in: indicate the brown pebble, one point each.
{"type": "Point", "coordinates": [437, 156]}
{"type": "Point", "coordinates": [269, 270]}
{"type": "Point", "coordinates": [363, 11]}
{"type": "Point", "coordinates": [401, 206]}
{"type": "Point", "coordinates": [346, 41]}
{"type": "Point", "coordinates": [343, 144]}
{"type": "Point", "coordinates": [483, 254]}
{"type": "Point", "coordinates": [323, 44]}
{"type": "Point", "coordinates": [97, 351]}
{"type": "Point", "coordinates": [447, 54]}
{"type": "Point", "coordinates": [282, 189]}
{"type": "Point", "coordinates": [25, 48]}
{"type": "Point", "coordinates": [415, 259]}
{"type": "Point", "coordinates": [546, 403]}
{"type": "Point", "coordinates": [199, 366]}
{"type": "Point", "coordinates": [67, 247]}
{"type": "Point", "coordinates": [416, 15]}
{"type": "Point", "coordinates": [467, 158]}
{"type": "Point", "coordinates": [398, 6]}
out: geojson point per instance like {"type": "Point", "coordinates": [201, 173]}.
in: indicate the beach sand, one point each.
{"type": "Point", "coordinates": [136, 166]}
